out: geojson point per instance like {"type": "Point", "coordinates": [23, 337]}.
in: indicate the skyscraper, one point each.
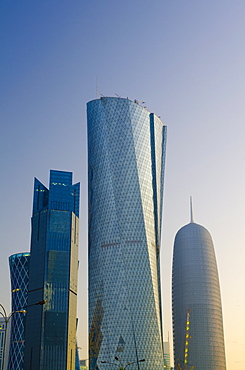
{"type": "Point", "coordinates": [19, 275]}
{"type": "Point", "coordinates": [126, 153]}
{"type": "Point", "coordinates": [196, 301]}
{"type": "Point", "coordinates": [4, 342]}
{"type": "Point", "coordinates": [51, 329]}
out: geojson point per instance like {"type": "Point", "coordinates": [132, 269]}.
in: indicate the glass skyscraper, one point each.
{"type": "Point", "coordinates": [19, 275]}
{"type": "Point", "coordinates": [126, 154]}
{"type": "Point", "coordinates": [50, 342]}
{"type": "Point", "coordinates": [196, 301]}
{"type": "Point", "coordinates": [4, 342]}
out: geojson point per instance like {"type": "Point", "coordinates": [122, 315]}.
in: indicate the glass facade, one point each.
{"type": "Point", "coordinates": [2, 337]}
{"type": "Point", "coordinates": [195, 287]}
{"type": "Point", "coordinates": [126, 154]}
{"type": "Point", "coordinates": [19, 275]}
{"type": "Point", "coordinates": [51, 329]}
{"type": "Point", "coordinates": [4, 342]}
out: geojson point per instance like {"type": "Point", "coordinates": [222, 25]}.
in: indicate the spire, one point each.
{"type": "Point", "coordinates": [191, 211]}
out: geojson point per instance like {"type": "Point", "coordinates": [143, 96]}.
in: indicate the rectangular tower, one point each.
{"type": "Point", "coordinates": [126, 154]}
{"type": "Point", "coordinates": [50, 342]}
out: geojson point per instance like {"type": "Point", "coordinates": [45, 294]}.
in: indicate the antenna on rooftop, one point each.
{"type": "Point", "coordinates": [138, 101]}
{"type": "Point", "coordinates": [191, 210]}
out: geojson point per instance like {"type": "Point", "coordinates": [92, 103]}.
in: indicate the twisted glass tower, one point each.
{"type": "Point", "coordinates": [19, 275]}
{"type": "Point", "coordinates": [196, 301]}
{"type": "Point", "coordinates": [126, 153]}
{"type": "Point", "coordinates": [50, 342]}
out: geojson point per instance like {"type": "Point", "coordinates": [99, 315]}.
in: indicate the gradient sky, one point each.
{"type": "Point", "coordinates": [186, 60]}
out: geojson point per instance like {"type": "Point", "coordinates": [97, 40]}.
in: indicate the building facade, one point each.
{"type": "Point", "coordinates": [167, 355]}
{"type": "Point", "coordinates": [4, 342]}
{"type": "Point", "coordinates": [196, 301]}
{"type": "Point", "coordinates": [19, 276]}
{"type": "Point", "coordinates": [126, 154]}
{"type": "Point", "coordinates": [50, 342]}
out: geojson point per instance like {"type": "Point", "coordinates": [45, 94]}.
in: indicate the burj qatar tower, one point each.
{"type": "Point", "coordinates": [126, 155]}
{"type": "Point", "coordinates": [196, 301]}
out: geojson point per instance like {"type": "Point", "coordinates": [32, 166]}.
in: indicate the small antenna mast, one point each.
{"type": "Point", "coordinates": [191, 211]}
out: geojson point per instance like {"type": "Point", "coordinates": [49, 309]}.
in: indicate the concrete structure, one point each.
{"type": "Point", "coordinates": [126, 154]}
{"type": "Point", "coordinates": [198, 338]}
{"type": "Point", "coordinates": [50, 342]}
{"type": "Point", "coordinates": [167, 355]}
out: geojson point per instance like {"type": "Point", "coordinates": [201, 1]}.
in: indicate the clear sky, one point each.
{"type": "Point", "coordinates": [186, 60]}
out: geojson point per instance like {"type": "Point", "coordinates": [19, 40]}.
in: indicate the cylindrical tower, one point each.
{"type": "Point", "coordinates": [126, 152]}
{"type": "Point", "coordinates": [19, 275]}
{"type": "Point", "coordinates": [195, 287]}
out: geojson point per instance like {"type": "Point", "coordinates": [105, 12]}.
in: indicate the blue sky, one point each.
{"type": "Point", "coordinates": [186, 60]}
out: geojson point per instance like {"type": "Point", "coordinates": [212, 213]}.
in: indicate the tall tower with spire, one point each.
{"type": "Point", "coordinates": [196, 290]}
